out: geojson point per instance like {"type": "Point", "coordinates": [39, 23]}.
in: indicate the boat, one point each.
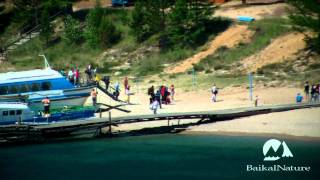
{"type": "Point", "coordinates": [34, 85]}
{"type": "Point", "coordinates": [21, 113]}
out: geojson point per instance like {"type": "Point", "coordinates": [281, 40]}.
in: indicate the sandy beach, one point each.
{"type": "Point", "coordinates": [298, 123]}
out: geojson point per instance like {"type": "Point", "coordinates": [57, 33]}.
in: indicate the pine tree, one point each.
{"type": "Point", "coordinates": [46, 27]}
{"type": "Point", "coordinates": [73, 32]}
{"type": "Point", "coordinates": [93, 21]}
{"type": "Point", "coordinates": [307, 15]}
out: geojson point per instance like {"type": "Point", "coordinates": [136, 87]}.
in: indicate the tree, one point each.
{"type": "Point", "coordinates": [93, 21]}
{"type": "Point", "coordinates": [46, 27]}
{"type": "Point", "coordinates": [149, 17]}
{"type": "Point", "coordinates": [139, 24]}
{"type": "Point", "coordinates": [307, 15]}
{"type": "Point", "coordinates": [187, 22]}
{"type": "Point", "coordinates": [108, 33]}
{"type": "Point", "coordinates": [73, 32]}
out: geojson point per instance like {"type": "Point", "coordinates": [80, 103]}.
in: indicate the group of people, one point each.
{"type": "Point", "coordinates": [73, 75]}
{"type": "Point", "coordinates": [163, 95]}
{"type": "Point", "coordinates": [91, 74]}
{"type": "Point", "coordinates": [311, 92]}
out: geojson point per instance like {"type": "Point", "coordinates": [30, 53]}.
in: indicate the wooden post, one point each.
{"type": "Point", "coordinates": [110, 126]}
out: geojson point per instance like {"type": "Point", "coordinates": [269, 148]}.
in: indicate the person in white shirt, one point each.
{"type": "Point", "coordinates": [154, 106]}
{"type": "Point", "coordinates": [214, 92]}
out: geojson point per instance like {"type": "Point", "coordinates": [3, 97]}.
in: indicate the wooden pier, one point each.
{"type": "Point", "coordinates": [42, 132]}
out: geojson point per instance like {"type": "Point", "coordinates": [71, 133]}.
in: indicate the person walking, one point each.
{"type": "Point", "coordinates": [106, 80]}
{"type": "Point", "coordinates": [172, 92]}
{"type": "Point", "coordinates": [158, 98]}
{"type": "Point", "coordinates": [214, 92]}
{"type": "Point", "coordinates": [116, 92]}
{"type": "Point", "coordinates": [88, 72]}
{"type": "Point", "coordinates": [154, 106]}
{"type": "Point", "coordinates": [127, 92]}
{"type": "Point", "coordinates": [317, 92]}
{"type": "Point", "coordinates": [126, 82]}
{"type": "Point", "coordinates": [76, 76]}
{"type": "Point", "coordinates": [307, 90]}
{"type": "Point", "coordinates": [151, 94]}
{"type": "Point", "coordinates": [46, 106]}
{"type": "Point", "coordinates": [256, 101]}
{"type": "Point", "coordinates": [70, 75]}
{"type": "Point", "coordinates": [313, 93]}
{"type": "Point", "coordinates": [94, 94]}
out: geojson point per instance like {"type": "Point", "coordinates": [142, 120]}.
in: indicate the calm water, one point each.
{"type": "Point", "coordinates": [153, 157]}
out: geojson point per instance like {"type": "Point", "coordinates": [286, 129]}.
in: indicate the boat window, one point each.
{"type": "Point", "coordinates": [35, 87]}
{"type": "Point", "coordinates": [3, 90]}
{"type": "Point", "coordinates": [19, 112]}
{"type": "Point", "coordinates": [23, 88]}
{"type": "Point", "coordinates": [5, 113]}
{"type": "Point", "coordinates": [12, 112]}
{"type": "Point", "coordinates": [46, 86]}
{"type": "Point", "coordinates": [13, 89]}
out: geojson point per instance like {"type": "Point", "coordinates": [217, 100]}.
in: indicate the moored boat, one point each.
{"type": "Point", "coordinates": [16, 113]}
{"type": "Point", "coordinates": [34, 85]}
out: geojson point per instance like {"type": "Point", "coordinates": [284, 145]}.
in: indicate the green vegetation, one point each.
{"type": "Point", "coordinates": [185, 25]}
{"type": "Point", "coordinates": [265, 30]}
{"type": "Point", "coordinates": [307, 15]}
{"type": "Point", "coordinates": [72, 32]}
{"type": "Point", "coordinates": [61, 55]}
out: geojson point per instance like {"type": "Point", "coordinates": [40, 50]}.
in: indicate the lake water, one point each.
{"type": "Point", "coordinates": [153, 157]}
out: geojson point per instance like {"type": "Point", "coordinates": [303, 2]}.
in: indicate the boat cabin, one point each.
{"type": "Point", "coordinates": [24, 82]}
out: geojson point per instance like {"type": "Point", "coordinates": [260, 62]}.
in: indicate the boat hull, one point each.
{"type": "Point", "coordinates": [59, 102]}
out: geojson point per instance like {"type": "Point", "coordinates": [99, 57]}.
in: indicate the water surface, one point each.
{"type": "Point", "coordinates": [154, 157]}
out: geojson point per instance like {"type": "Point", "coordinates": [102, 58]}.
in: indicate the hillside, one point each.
{"type": "Point", "coordinates": [230, 51]}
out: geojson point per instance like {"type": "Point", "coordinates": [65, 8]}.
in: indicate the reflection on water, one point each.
{"type": "Point", "coordinates": [153, 157]}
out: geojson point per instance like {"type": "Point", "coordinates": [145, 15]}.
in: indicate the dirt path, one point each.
{"type": "Point", "coordinates": [229, 38]}
{"type": "Point", "coordinates": [89, 4]}
{"type": "Point", "coordinates": [280, 49]}
{"type": "Point", "coordinates": [235, 8]}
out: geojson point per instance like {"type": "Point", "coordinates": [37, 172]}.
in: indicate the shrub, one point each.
{"type": "Point", "coordinates": [73, 32]}
{"type": "Point", "coordinates": [108, 33]}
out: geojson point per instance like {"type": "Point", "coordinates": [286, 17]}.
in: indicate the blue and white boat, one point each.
{"type": "Point", "coordinates": [35, 85]}
{"type": "Point", "coordinates": [21, 113]}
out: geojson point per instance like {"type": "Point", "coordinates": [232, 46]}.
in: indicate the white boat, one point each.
{"type": "Point", "coordinates": [35, 85]}
{"type": "Point", "coordinates": [21, 113]}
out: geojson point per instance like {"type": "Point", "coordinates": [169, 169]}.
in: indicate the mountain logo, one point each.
{"type": "Point", "coordinates": [271, 147]}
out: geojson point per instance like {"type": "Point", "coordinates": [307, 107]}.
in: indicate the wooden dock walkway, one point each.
{"type": "Point", "coordinates": [35, 132]}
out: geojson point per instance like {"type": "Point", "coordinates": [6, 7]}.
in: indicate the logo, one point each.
{"type": "Point", "coordinates": [271, 150]}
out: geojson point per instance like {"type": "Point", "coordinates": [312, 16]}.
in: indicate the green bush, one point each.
{"type": "Point", "coordinates": [73, 31]}
{"type": "Point", "coordinates": [93, 21]}
{"type": "Point", "coordinates": [108, 33]}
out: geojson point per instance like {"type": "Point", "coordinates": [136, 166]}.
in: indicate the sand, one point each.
{"type": "Point", "coordinates": [301, 123]}
{"type": "Point", "coordinates": [304, 122]}
{"type": "Point", "coordinates": [229, 38]}
{"type": "Point", "coordinates": [281, 49]}
{"type": "Point", "coordinates": [230, 97]}
{"type": "Point", "coordinates": [234, 8]}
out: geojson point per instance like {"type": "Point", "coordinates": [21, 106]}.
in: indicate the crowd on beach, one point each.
{"type": "Point", "coordinates": [311, 92]}
{"type": "Point", "coordinates": [163, 95]}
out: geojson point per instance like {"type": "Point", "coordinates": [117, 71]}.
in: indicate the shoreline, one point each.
{"type": "Point", "coordinates": [253, 134]}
